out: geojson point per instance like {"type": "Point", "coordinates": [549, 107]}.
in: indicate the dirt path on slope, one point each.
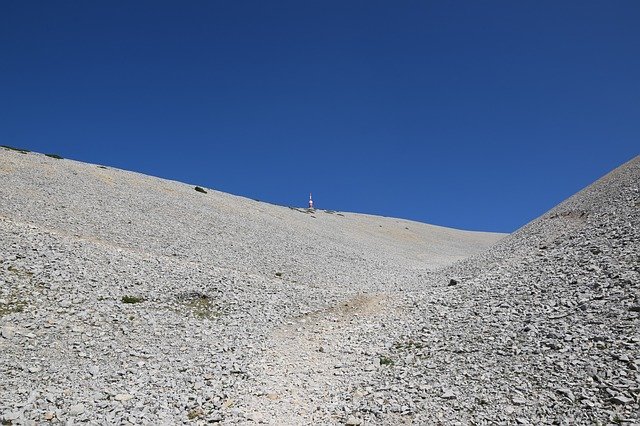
{"type": "Point", "coordinates": [309, 365]}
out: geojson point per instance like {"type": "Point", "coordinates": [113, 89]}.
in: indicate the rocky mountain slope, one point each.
{"type": "Point", "coordinates": [543, 328]}
{"type": "Point", "coordinates": [126, 298]}
{"type": "Point", "coordinates": [131, 299]}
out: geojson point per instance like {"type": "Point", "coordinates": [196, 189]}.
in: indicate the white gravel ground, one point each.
{"type": "Point", "coordinates": [253, 313]}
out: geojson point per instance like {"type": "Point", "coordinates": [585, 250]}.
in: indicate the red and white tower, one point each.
{"type": "Point", "coordinates": [310, 201]}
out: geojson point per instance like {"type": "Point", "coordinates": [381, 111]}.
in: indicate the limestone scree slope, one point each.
{"type": "Point", "coordinates": [126, 298]}
{"type": "Point", "coordinates": [542, 328]}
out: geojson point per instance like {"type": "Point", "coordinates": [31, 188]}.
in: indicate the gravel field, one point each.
{"type": "Point", "coordinates": [130, 299]}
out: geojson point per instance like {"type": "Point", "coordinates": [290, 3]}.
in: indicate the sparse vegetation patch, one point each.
{"type": "Point", "coordinates": [19, 271]}
{"type": "Point", "coordinates": [11, 307]}
{"type": "Point", "coordinates": [56, 156]}
{"type": "Point", "coordinates": [385, 360]}
{"type": "Point", "coordinates": [199, 189]}
{"type": "Point", "coordinates": [12, 148]}
{"type": "Point", "coordinates": [132, 299]}
{"type": "Point", "coordinates": [196, 413]}
{"type": "Point", "coordinates": [199, 304]}
{"type": "Point", "coordinates": [409, 344]}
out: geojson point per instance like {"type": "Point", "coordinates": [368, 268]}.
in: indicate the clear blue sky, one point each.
{"type": "Point", "coordinates": [471, 114]}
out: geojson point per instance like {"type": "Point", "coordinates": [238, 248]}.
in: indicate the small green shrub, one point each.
{"type": "Point", "coordinates": [199, 189]}
{"type": "Point", "coordinates": [132, 299]}
{"type": "Point", "coordinates": [409, 344]}
{"type": "Point", "coordinates": [56, 156]}
{"type": "Point", "coordinates": [13, 307]}
{"type": "Point", "coordinates": [196, 413]}
{"type": "Point", "coordinates": [18, 271]}
{"type": "Point", "coordinates": [199, 304]}
{"type": "Point", "coordinates": [385, 360]}
{"type": "Point", "coordinates": [12, 148]}
{"type": "Point", "coordinates": [298, 209]}
{"type": "Point", "coordinates": [278, 274]}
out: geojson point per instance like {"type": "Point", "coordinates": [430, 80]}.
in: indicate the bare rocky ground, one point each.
{"type": "Point", "coordinates": [131, 299]}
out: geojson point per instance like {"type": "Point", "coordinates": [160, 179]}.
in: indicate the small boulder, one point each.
{"type": "Point", "coordinates": [122, 397]}
{"type": "Point", "coordinates": [448, 394]}
{"type": "Point", "coordinates": [7, 332]}
{"type": "Point", "coordinates": [566, 392]}
{"type": "Point", "coordinates": [10, 417]}
{"type": "Point", "coordinates": [518, 400]}
{"type": "Point", "coordinates": [353, 421]}
{"type": "Point", "coordinates": [76, 410]}
{"type": "Point", "coordinates": [621, 400]}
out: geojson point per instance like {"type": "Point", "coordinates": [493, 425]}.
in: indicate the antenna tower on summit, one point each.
{"type": "Point", "coordinates": [310, 201]}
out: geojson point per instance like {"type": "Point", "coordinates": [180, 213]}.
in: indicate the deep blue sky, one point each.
{"type": "Point", "coordinates": [471, 114]}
